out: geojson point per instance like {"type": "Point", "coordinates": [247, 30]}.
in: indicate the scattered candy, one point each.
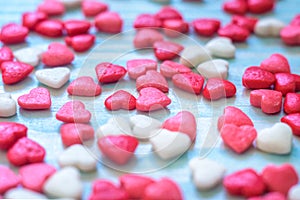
{"type": "Point", "coordinates": [152, 79]}
{"type": "Point", "coordinates": [92, 8]}
{"type": "Point", "coordinates": [167, 13]}
{"type": "Point", "coordinates": [192, 56]}
{"type": "Point", "coordinates": [81, 43]}
{"type": "Point", "coordinates": [6, 54]}
{"type": "Point", "coordinates": [175, 27]}
{"type": "Point", "coordinates": [269, 101]}
{"type": "Point", "coordinates": [37, 99]}
{"type": "Point", "coordinates": [147, 21]}
{"type": "Point", "coordinates": [239, 7]}
{"type": "Point", "coordinates": [257, 78]}
{"type": "Point", "coordinates": [109, 73]}
{"type": "Point", "coordinates": [277, 139]}
{"type": "Point", "coordinates": [292, 103]}
{"type": "Point", "coordinates": [10, 133]}
{"type": "Point", "coordinates": [190, 82]}
{"type": "Point", "coordinates": [293, 120]}
{"type": "Point", "coordinates": [72, 133]}
{"type": "Point", "coordinates": [57, 54]}
{"type": "Point", "coordinates": [8, 106]}
{"type": "Point", "coordinates": [290, 35]}
{"type": "Point", "coordinates": [139, 67]}
{"type": "Point", "coordinates": [221, 47]}
{"type": "Point", "coordinates": [109, 22]}
{"type": "Point", "coordinates": [276, 63]}
{"type": "Point", "coordinates": [8, 179]}
{"type": "Point", "coordinates": [13, 33]}
{"type": "Point", "coordinates": [217, 88]}
{"type": "Point", "coordinates": [166, 50]}
{"type": "Point", "coordinates": [31, 19]}
{"type": "Point", "coordinates": [76, 27]}
{"type": "Point", "coordinates": [268, 27]}
{"type": "Point", "coordinates": [234, 32]}
{"type": "Point", "coordinates": [14, 72]}
{"type": "Point", "coordinates": [146, 37]}
{"type": "Point", "coordinates": [21, 193]}
{"type": "Point", "coordinates": [50, 28]}
{"type": "Point", "coordinates": [144, 127]}
{"type": "Point", "coordinates": [104, 189]}
{"type": "Point", "coordinates": [29, 55]}
{"type": "Point", "coordinates": [121, 99]}
{"type": "Point", "coordinates": [215, 68]}
{"type": "Point", "coordinates": [294, 192]}
{"type": "Point", "coordinates": [260, 6]}
{"type": "Point", "coordinates": [244, 21]}
{"type": "Point", "coordinates": [206, 26]}
{"type": "Point", "coordinates": [285, 83]}
{"type": "Point", "coordinates": [114, 126]}
{"type": "Point", "coordinates": [51, 7]}
{"type": "Point", "coordinates": [73, 112]}
{"type": "Point", "coordinates": [169, 68]}
{"type": "Point", "coordinates": [84, 86]}
{"type": "Point", "coordinates": [54, 78]}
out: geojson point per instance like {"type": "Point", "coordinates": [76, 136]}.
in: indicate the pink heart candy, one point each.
{"type": "Point", "coordinates": [139, 67]}
{"type": "Point", "coordinates": [57, 54]}
{"type": "Point", "coordinates": [120, 100]}
{"type": "Point", "coordinates": [169, 68]}
{"type": "Point", "coordinates": [152, 79]}
{"type": "Point", "coordinates": [84, 86]}
{"type": "Point", "coordinates": [37, 99]}
{"type": "Point", "coordinates": [73, 111]}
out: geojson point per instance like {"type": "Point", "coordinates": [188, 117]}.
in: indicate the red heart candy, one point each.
{"type": "Point", "coordinates": [169, 68]}
{"type": "Point", "coordinates": [189, 82]}
{"type": "Point", "coordinates": [175, 27]}
{"type": "Point", "coordinates": [166, 50]}
{"type": "Point", "coordinates": [76, 27]}
{"type": "Point", "coordinates": [76, 133]}
{"type": "Point", "coordinates": [152, 79]}
{"type": "Point", "coordinates": [51, 7]}
{"type": "Point", "coordinates": [285, 83]}
{"type": "Point", "coordinates": [293, 120]}
{"type": "Point", "coordinates": [14, 72]}
{"type": "Point", "coordinates": [276, 63]}
{"type": "Point", "coordinates": [168, 12]}
{"type": "Point", "coordinates": [290, 35]}
{"type": "Point", "coordinates": [206, 27]}
{"type": "Point", "coordinates": [257, 78]}
{"type": "Point", "coordinates": [84, 86]}
{"type": "Point", "coordinates": [31, 19]}
{"type": "Point", "coordinates": [6, 54]}
{"type": "Point", "coordinates": [109, 22]}
{"type": "Point", "coordinates": [217, 88]}
{"type": "Point", "coordinates": [81, 43]}
{"type": "Point", "coordinates": [73, 112]}
{"type": "Point", "coordinates": [120, 100]}
{"type": "Point", "coordinates": [50, 28]}
{"type": "Point", "coordinates": [109, 73]}
{"type": "Point", "coordinates": [25, 151]}
{"type": "Point", "coordinates": [146, 21]}
{"type": "Point", "coordinates": [292, 103]}
{"type": "Point", "coordinates": [238, 138]}
{"type": "Point", "coordinates": [161, 189]}
{"type": "Point", "coordinates": [245, 22]}
{"type": "Point", "coordinates": [37, 99]}
{"type": "Point", "coordinates": [260, 6]}
{"type": "Point", "coordinates": [151, 99]}
{"type": "Point", "coordinates": [183, 122]}
{"type": "Point", "coordinates": [280, 178]}
{"type": "Point", "coordinates": [13, 33]}
{"type": "Point", "coordinates": [234, 32]}
{"type": "Point", "coordinates": [103, 189]}
{"type": "Point", "coordinates": [57, 54]}
{"type": "Point", "coordinates": [135, 185]}
{"type": "Point", "coordinates": [146, 37]}
{"type": "Point", "coordinates": [297, 81]}
{"type": "Point", "coordinates": [269, 101]}
{"type": "Point", "coordinates": [295, 21]}
{"type": "Point", "coordinates": [238, 7]}
{"type": "Point", "coordinates": [91, 8]}
{"type": "Point", "coordinates": [245, 182]}
{"type": "Point", "coordinates": [33, 176]}
{"type": "Point", "coordinates": [8, 179]}
{"type": "Point", "coordinates": [119, 148]}
{"type": "Point", "coordinates": [233, 115]}
{"type": "Point", "coordinates": [139, 67]}
{"type": "Point", "coordinates": [10, 132]}
{"type": "Point", "coordinates": [270, 196]}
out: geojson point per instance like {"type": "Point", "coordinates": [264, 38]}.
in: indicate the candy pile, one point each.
{"type": "Point", "coordinates": [193, 69]}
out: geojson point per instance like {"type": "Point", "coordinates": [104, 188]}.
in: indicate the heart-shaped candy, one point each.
{"type": "Point", "coordinates": [269, 196]}
{"type": "Point", "coordinates": [270, 101]}
{"type": "Point", "coordinates": [114, 126]}
{"type": "Point", "coordinates": [293, 120]}
{"type": "Point", "coordinates": [104, 189]}
{"type": "Point", "coordinates": [76, 133]}
{"type": "Point", "coordinates": [139, 67]}
{"type": "Point", "coordinates": [13, 33]}
{"type": "Point", "coordinates": [216, 68]}
{"type": "Point", "coordinates": [29, 55]}
{"type": "Point", "coordinates": [76, 27]}
{"type": "Point", "coordinates": [276, 63]}
{"type": "Point", "coordinates": [51, 8]}
{"type": "Point", "coordinates": [84, 86]}
{"type": "Point", "coordinates": [257, 78]}
{"type": "Point", "coordinates": [25, 151]}
{"type": "Point", "coordinates": [175, 27]}
{"type": "Point", "coordinates": [233, 115]}
{"type": "Point", "coordinates": [6, 54]}
{"type": "Point", "coordinates": [10, 132]}
{"type": "Point", "coordinates": [8, 179]}
{"type": "Point", "coordinates": [152, 79]}
{"type": "Point", "coordinates": [192, 56]}
{"type": "Point", "coordinates": [268, 27]}
{"type": "Point", "coordinates": [121, 99]}
{"type": "Point", "coordinates": [56, 185]}
{"type": "Point", "coordinates": [277, 139]}
{"type": "Point", "coordinates": [206, 173]}
{"type": "Point", "coordinates": [93, 8]}
{"type": "Point", "coordinates": [170, 144]}
{"type": "Point", "coordinates": [55, 77]}
{"type": "Point", "coordinates": [290, 35]}
{"type": "Point", "coordinates": [294, 192]}
{"type": "Point", "coordinates": [169, 68]}
{"type": "Point", "coordinates": [190, 82]}
{"type": "Point", "coordinates": [168, 12]}
{"type": "Point", "coordinates": [285, 83]}
{"type": "Point", "coordinates": [37, 99]}
{"type": "Point", "coordinates": [109, 22]}
{"type": "Point", "coordinates": [238, 7]}
{"type": "Point", "coordinates": [143, 127]}
{"type": "Point", "coordinates": [77, 156]}
{"type": "Point", "coordinates": [206, 26]}
{"type": "Point", "coordinates": [234, 32]}
{"type": "Point", "coordinates": [280, 178]}
{"type": "Point", "coordinates": [57, 54]}
{"type": "Point", "coordinates": [292, 103]}
{"type": "Point", "coordinates": [151, 99]}
{"type": "Point", "coordinates": [166, 50]}
{"type": "Point", "coordinates": [146, 37]}
{"type": "Point", "coordinates": [51, 28]}
{"type": "Point", "coordinates": [14, 72]}
{"type": "Point", "coordinates": [8, 106]}
{"type": "Point", "coordinates": [21, 193]}
{"type": "Point", "coordinates": [33, 176]}
{"type": "Point", "coordinates": [217, 88]}
{"type": "Point", "coordinates": [31, 19]}
{"type": "Point", "coordinates": [221, 47]}
{"type": "Point", "coordinates": [146, 21]}
{"type": "Point", "coordinates": [73, 112]}
{"type": "Point", "coordinates": [80, 43]}
{"type": "Point", "coordinates": [118, 149]}
{"type": "Point", "coordinates": [247, 22]}
{"type": "Point", "coordinates": [260, 6]}
{"type": "Point", "coordinates": [109, 73]}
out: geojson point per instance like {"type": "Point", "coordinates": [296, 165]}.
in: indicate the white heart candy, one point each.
{"type": "Point", "coordinates": [277, 139]}
{"type": "Point", "coordinates": [79, 157]}
{"type": "Point", "coordinates": [71, 3]}
{"type": "Point", "coordinates": [268, 27]}
{"type": "Point", "coordinates": [29, 55]}
{"type": "Point", "coordinates": [206, 173]}
{"type": "Point", "coordinates": [169, 144]}
{"type": "Point", "coordinates": [8, 106]}
{"type": "Point", "coordinates": [294, 193]}
{"type": "Point", "coordinates": [114, 126]}
{"type": "Point", "coordinates": [143, 127]}
{"type": "Point", "coordinates": [221, 47]}
{"type": "Point", "coordinates": [216, 68]}
{"type": "Point", "coordinates": [22, 193]}
{"type": "Point", "coordinates": [64, 183]}
{"type": "Point", "coordinates": [55, 77]}
{"type": "Point", "coordinates": [192, 56]}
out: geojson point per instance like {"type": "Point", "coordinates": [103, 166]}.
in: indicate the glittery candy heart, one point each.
{"type": "Point", "coordinates": [166, 50]}
{"type": "Point", "coordinates": [169, 68]}
{"type": "Point", "coordinates": [234, 32]}
{"type": "Point", "coordinates": [293, 120]}
{"type": "Point", "coordinates": [55, 77]}
{"type": "Point", "coordinates": [14, 72]}
{"type": "Point", "coordinates": [109, 22]}
{"type": "Point", "coordinates": [216, 88]}
{"type": "Point", "coordinates": [257, 78]}
{"type": "Point", "coordinates": [81, 43]}
{"type": "Point", "coordinates": [152, 79]}
{"type": "Point", "coordinates": [109, 73]}
{"type": "Point", "coordinates": [238, 7]}
{"type": "Point", "coordinates": [121, 99]}
{"type": "Point", "coordinates": [84, 86]}
{"type": "Point", "coordinates": [269, 101]}
{"type": "Point", "coordinates": [37, 99]}
{"type": "Point", "coordinates": [73, 111]}
{"type": "Point", "coordinates": [57, 54]}
{"type": "Point", "coordinates": [190, 82]}
{"type": "Point", "coordinates": [292, 103]}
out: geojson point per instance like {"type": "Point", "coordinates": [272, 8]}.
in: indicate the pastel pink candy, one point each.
{"type": "Point", "coordinates": [152, 79]}
{"type": "Point", "coordinates": [169, 68]}
{"type": "Point", "coordinates": [139, 67]}
{"type": "Point", "coordinates": [270, 101]}
{"type": "Point", "coordinates": [145, 38]}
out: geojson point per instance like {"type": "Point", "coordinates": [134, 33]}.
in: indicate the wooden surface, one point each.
{"type": "Point", "coordinates": [44, 128]}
